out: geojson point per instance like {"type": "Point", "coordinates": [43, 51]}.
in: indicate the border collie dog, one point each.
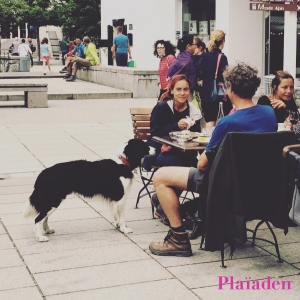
{"type": "Point", "coordinates": [107, 179]}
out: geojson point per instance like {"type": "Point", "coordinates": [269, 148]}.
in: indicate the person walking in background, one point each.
{"type": "Point", "coordinates": [199, 54]}
{"type": "Point", "coordinates": [166, 52]}
{"type": "Point", "coordinates": [91, 58]}
{"type": "Point", "coordinates": [207, 74]}
{"type": "Point", "coordinates": [24, 49]}
{"type": "Point", "coordinates": [64, 48]}
{"type": "Point", "coordinates": [15, 46]}
{"type": "Point", "coordinates": [32, 48]}
{"type": "Point", "coordinates": [121, 48]}
{"type": "Point", "coordinates": [184, 62]}
{"type": "Point", "coordinates": [46, 54]}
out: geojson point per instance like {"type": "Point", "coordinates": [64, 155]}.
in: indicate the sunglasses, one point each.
{"type": "Point", "coordinates": [160, 48]}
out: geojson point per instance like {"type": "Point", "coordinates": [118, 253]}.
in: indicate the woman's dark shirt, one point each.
{"type": "Point", "coordinates": [281, 112]}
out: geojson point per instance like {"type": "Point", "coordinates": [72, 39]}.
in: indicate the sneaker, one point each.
{"type": "Point", "coordinates": [64, 70]}
{"type": "Point", "coordinates": [174, 244]}
{"type": "Point", "coordinates": [161, 214]}
{"type": "Point", "coordinates": [44, 73]}
{"type": "Point", "coordinates": [71, 78]}
{"type": "Point", "coordinates": [67, 76]}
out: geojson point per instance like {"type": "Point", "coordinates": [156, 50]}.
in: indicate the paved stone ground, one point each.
{"type": "Point", "coordinates": [87, 258]}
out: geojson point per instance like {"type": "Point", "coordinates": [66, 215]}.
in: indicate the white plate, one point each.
{"type": "Point", "coordinates": [206, 141]}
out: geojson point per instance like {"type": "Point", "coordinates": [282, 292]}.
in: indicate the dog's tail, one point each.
{"type": "Point", "coordinates": [30, 210]}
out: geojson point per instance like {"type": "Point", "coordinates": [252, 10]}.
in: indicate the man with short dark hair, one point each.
{"type": "Point", "coordinates": [91, 58]}
{"type": "Point", "coordinates": [121, 48]}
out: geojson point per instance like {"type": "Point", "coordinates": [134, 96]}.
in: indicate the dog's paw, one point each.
{"type": "Point", "coordinates": [125, 229]}
{"type": "Point", "coordinates": [43, 239]}
{"type": "Point", "coordinates": [49, 231]}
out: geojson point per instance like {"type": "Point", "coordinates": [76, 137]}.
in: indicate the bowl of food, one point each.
{"type": "Point", "coordinates": [173, 135]}
{"type": "Point", "coordinates": [184, 136]}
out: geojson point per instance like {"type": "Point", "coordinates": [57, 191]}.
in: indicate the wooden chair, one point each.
{"type": "Point", "coordinates": [141, 128]}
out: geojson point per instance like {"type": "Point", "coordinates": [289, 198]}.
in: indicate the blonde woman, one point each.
{"type": "Point", "coordinates": [208, 69]}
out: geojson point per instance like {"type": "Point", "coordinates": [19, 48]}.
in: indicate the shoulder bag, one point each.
{"type": "Point", "coordinates": [218, 89]}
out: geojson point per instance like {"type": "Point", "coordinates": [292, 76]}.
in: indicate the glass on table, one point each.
{"type": "Point", "coordinates": [294, 117]}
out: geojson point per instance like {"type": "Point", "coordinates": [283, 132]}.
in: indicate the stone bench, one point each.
{"type": "Point", "coordinates": [35, 94]}
{"type": "Point", "coordinates": [142, 83]}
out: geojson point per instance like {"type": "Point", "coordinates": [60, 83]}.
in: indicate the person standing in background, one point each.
{"type": "Point", "coordinates": [166, 52]}
{"type": "Point", "coordinates": [15, 46]}
{"type": "Point", "coordinates": [121, 48]}
{"type": "Point", "coordinates": [46, 54]}
{"type": "Point", "coordinates": [64, 48]}
{"type": "Point", "coordinates": [24, 49]}
{"type": "Point", "coordinates": [32, 48]}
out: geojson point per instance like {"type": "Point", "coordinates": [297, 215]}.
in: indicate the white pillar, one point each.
{"type": "Point", "coordinates": [26, 30]}
{"type": "Point", "coordinates": [290, 42]}
{"type": "Point", "coordinates": [19, 35]}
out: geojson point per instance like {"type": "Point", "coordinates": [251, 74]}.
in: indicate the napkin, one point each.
{"type": "Point", "coordinates": [190, 122]}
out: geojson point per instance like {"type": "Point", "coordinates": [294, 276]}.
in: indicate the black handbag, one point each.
{"type": "Point", "coordinates": [218, 89]}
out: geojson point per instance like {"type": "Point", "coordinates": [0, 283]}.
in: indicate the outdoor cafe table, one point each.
{"type": "Point", "coordinates": [186, 146]}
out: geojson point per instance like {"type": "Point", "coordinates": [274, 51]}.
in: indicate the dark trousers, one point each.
{"type": "Point", "coordinates": [121, 59]}
{"type": "Point", "coordinates": [31, 60]}
{"type": "Point", "coordinates": [63, 53]}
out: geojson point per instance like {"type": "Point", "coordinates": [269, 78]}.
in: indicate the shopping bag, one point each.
{"type": "Point", "coordinates": [131, 64]}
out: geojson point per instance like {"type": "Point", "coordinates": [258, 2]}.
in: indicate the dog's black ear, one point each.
{"type": "Point", "coordinates": [125, 172]}
{"type": "Point", "coordinates": [135, 150]}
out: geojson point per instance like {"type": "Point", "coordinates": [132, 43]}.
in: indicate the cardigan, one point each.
{"type": "Point", "coordinates": [279, 113]}
{"type": "Point", "coordinates": [164, 65]}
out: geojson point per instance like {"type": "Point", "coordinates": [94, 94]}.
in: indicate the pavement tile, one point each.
{"type": "Point", "coordinates": [15, 277]}
{"type": "Point", "coordinates": [146, 227]}
{"type": "Point", "coordinates": [288, 252]}
{"type": "Point", "coordinates": [17, 181]}
{"type": "Point", "coordinates": [166, 289]}
{"type": "Point", "coordinates": [62, 228]}
{"type": "Point", "coordinates": [2, 231]}
{"type": "Point", "coordinates": [131, 214]}
{"type": "Point", "coordinates": [201, 256]}
{"type": "Point", "coordinates": [206, 274]}
{"type": "Point", "coordinates": [15, 198]}
{"type": "Point", "coordinates": [17, 189]}
{"type": "Point", "coordinates": [5, 242]}
{"type": "Point", "coordinates": [59, 215]}
{"type": "Point", "coordinates": [89, 256]}
{"type": "Point", "coordinates": [96, 277]}
{"type": "Point", "coordinates": [213, 293]}
{"type": "Point", "coordinates": [10, 258]}
{"type": "Point", "coordinates": [27, 293]}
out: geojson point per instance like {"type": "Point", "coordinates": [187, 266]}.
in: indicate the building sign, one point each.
{"type": "Point", "coordinates": [267, 6]}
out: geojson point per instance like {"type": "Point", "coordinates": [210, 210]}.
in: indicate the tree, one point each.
{"type": "Point", "coordinates": [79, 17]}
{"type": "Point", "coordinates": [11, 13]}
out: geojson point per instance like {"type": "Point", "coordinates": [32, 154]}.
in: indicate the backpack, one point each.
{"type": "Point", "coordinates": [33, 48]}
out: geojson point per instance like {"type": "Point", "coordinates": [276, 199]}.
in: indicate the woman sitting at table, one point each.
{"type": "Point", "coordinates": [282, 97]}
{"type": "Point", "coordinates": [172, 113]}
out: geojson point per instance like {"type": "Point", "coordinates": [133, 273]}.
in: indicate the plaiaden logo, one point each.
{"type": "Point", "coordinates": [248, 284]}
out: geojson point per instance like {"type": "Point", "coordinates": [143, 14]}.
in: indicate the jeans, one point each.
{"type": "Point", "coordinates": [121, 59]}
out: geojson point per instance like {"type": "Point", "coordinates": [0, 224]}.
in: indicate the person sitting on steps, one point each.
{"type": "Point", "coordinates": [91, 58]}
{"type": "Point", "coordinates": [69, 57]}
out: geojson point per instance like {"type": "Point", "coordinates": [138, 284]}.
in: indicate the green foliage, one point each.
{"type": "Point", "coordinates": [79, 17]}
{"type": "Point", "coordinates": [11, 13]}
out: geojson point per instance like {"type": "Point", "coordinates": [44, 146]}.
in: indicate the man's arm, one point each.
{"type": "Point", "coordinates": [113, 50]}
{"type": "Point", "coordinates": [202, 162]}
{"type": "Point", "coordinates": [129, 51]}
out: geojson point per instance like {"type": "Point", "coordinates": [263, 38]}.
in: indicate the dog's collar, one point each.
{"type": "Point", "coordinates": [124, 161]}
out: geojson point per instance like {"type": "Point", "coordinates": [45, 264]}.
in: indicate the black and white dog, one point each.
{"type": "Point", "coordinates": [107, 179]}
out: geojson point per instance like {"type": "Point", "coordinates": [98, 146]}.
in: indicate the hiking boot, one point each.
{"type": "Point", "coordinates": [174, 244]}
{"type": "Point", "coordinates": [161, 214]}
{"type": "Point", "coordinates": [64, 70]}
{"type": "Point", "coordinates": [71, 78]}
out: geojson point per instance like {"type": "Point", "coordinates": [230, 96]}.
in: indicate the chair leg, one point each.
{"type": "Point", "coordinates": [145, 187]}
{"type": "Point", "coordinates": [255, 231]}
{"type": "Point", "coordinates": [222, 259]}
{"type": "Point", "coordinates": [275, 244]}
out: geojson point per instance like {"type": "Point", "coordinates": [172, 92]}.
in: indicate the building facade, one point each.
{"type": "Point", "coordinates": [266, 40]}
